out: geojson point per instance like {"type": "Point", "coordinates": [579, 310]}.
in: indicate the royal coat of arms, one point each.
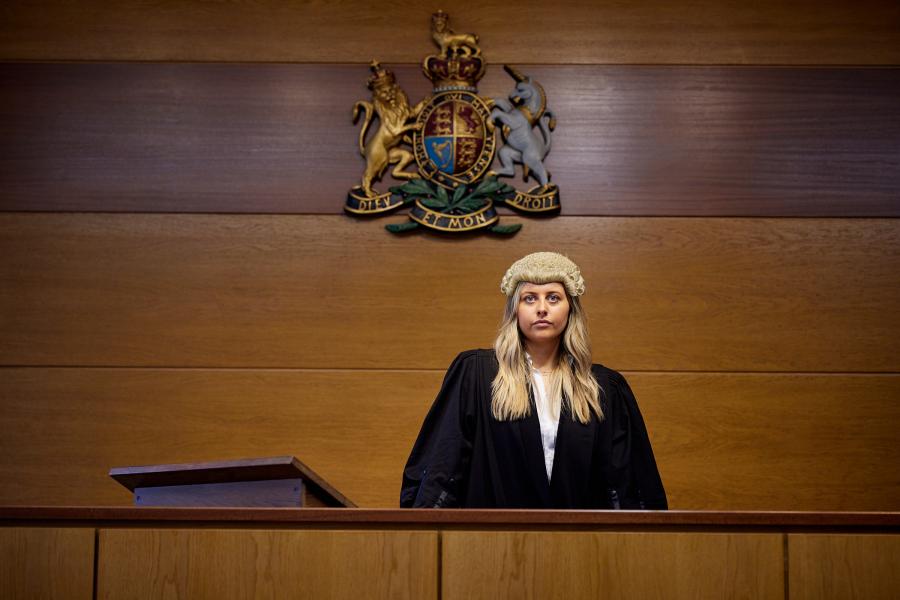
{"type": "Point", "coordinates": [451, 139]}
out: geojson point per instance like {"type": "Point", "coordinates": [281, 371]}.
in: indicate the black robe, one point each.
{"type": "Point", "coordinates": [464, 457]}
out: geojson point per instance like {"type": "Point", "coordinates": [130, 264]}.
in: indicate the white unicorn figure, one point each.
{"type": "Point", "coordinates": [525, 107]}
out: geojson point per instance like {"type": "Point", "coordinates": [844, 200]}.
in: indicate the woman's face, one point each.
{"type": "Point", "coordinates": [543, 311]}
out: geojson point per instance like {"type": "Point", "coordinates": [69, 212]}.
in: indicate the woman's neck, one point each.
{"type": "Point", "coordinates": [543, 356]}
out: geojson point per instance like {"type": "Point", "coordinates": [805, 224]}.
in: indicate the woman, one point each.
{"type": "Point", "coordinates": [531, 423]}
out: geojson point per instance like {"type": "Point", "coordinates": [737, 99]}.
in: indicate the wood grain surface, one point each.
{"type": "Point", "coordinates": [225, 564]}
{"type": "Point", "coordinates": [775, 441]}
{"type": "Point", "coordinates": [38, 563]}
{"type": "Point", "coordinates": [722, 441]}
{"type": "Point", "coordinates": [705, 31]}
{"type": "Point", "coordinates": [333, 292]}
{"type": "Point", "coordinates": [250, 138]}
{"type": "Point", "coordinates": [844, 567]}
{"type": "Point", "coordinates": [534, 565]}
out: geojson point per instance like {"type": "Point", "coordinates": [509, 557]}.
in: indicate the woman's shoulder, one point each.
{"type": "Point", "coordinates": [478, 362]}
{"type": "Point", "coordinates": [472, 368]}
{"type": "Point", "coordinates": [478, 355]}
{"type": "Point", "coordinates": [606, 376]}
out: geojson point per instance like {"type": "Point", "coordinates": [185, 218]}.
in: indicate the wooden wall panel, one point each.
{"type": "Point", "coordinates": [844, 567]}
{"type": "Point", "coordinates": [722, 441]}
{"type": "Point", "coordinates": [46, 563]}
{"type": "Point", "coordinates": [333, 292]}
{"type": "Point", "coordinates": [706, 31]}
{"type": "Point", "coordinates": [225, 564]}
{"type": "Point", "coordinates": [771, 441]}
{"type": "Point", "coordinates": [533, 565]}
{"type": "Point", "coordinates": [354, 428]}
{"type": "Point", "coordinates": [279, 138]}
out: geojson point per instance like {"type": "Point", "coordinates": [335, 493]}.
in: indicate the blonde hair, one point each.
{"type": "Point", "coordinates": [571, 380]}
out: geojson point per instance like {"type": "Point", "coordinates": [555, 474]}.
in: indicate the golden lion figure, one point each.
{"type": "Point", "coordinates": [450, 42]}
{"type": "Point", "coordinates": [391, 106]}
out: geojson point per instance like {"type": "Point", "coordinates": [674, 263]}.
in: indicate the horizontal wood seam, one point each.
{"type": "Point", "coordinates": [760, 65]}
{"type": "Point", "coordinates": [413, 370]}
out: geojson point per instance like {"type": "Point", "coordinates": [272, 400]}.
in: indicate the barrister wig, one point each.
{"type": "Point", "coordinates": [571, 380]}
{"type": "Point", "coordinates": [544, 267]}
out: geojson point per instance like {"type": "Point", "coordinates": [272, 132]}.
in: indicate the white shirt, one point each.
{"type": "Point", "coordinates": [548, 415]}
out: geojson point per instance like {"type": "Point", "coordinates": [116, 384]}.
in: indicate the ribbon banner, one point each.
{"type": "Point", "coordinates": [546, 201]}
{"type": "Point", "coordinates": [484, 217]}
{"type": "Point", "coordinates": [360, 204]}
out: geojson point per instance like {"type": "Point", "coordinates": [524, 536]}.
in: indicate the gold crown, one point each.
{"type": "Point", "coordinates": [453, 72]}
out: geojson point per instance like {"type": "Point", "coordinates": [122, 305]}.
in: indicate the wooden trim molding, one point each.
{"type": "Point", "coordinates": [129, 516]}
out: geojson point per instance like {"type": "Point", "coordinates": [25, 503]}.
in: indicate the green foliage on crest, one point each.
{"type": "Point", "coordinates": [401, 227]}
{"type": "Point", "coordinates": [465, 199]}
{"type": "Point", "coordinates": [506, 229]}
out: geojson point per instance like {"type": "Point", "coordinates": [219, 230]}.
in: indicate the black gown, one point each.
{"type": "Point", "coordinates": [466, 458]}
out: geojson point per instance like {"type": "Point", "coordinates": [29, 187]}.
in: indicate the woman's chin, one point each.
{"type": "Point", "coordinates": [542, 337]}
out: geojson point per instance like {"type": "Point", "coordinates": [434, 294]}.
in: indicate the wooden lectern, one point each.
{"type": "Point", "coordinates": [281, 481]}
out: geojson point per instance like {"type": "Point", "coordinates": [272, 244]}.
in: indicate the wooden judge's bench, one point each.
{"type": "Point", "coordinates": [223, 553]}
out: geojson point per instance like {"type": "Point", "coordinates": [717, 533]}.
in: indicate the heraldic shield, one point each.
{"type": "Point", "coordinates": [454, 144]}
{"type": "Point", "coordinates": [453, 136]}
